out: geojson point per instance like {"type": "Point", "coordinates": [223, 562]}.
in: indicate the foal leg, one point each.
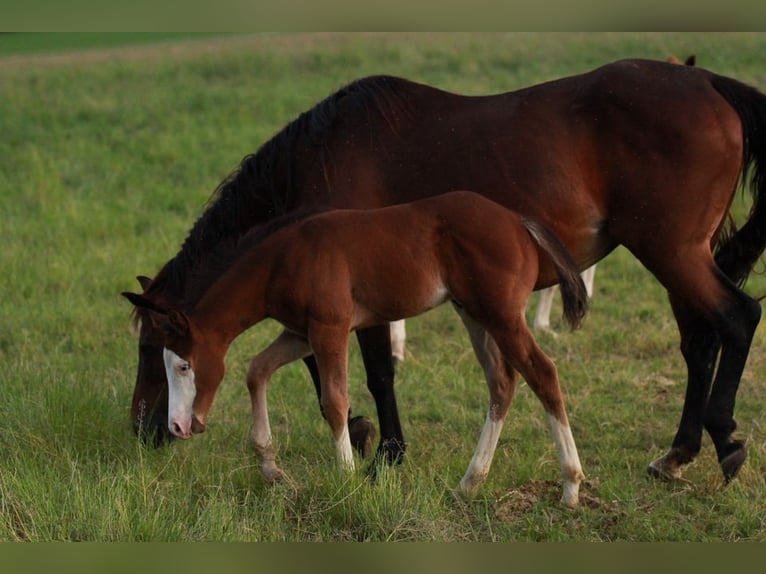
{"type": "Point", "coordinates": [330, 347]}
{"type": "Point", "coordinates": [360, 428]}
{"type": "Point", "coordinates": [286, 348]}
{"type": "Point", "coordinates": [501, 381]}
{"type": "Point", "coordinates": [519, 349]}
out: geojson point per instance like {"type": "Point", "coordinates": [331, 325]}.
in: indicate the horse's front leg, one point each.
{"type": "Point", "coordinates": [330, 347]}
{"type": "Point", "coordinates": [286, 348]}
{"type": "Point", "coordinates": [375, 345]}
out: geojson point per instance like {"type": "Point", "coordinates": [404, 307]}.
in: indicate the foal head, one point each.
{"type": "Point", "coordinates": [194, 365]}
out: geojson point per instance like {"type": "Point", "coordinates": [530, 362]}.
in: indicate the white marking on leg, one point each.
{"type": "Point", "coordinates": [398, 337]}
{"type": "Point", "coordinates": [261, 435]}
{"type": "Point", "coordinates": [287, 347]}
{"type": "Point", "coordinates": [569, 461]}
{"type": "Point", "coordinates": [588, 277]}
{"type": "Point", "coordinates": [543, 315]}
{"type": "Point", "coordinates": [181, 393]}
{"type": "Point", "coordinates": [344, 450]}
{"type": "Point", "coordinates": [478, 469]}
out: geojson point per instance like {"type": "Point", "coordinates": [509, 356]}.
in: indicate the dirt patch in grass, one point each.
{"type": "Point", "coordinates": [525, 498]}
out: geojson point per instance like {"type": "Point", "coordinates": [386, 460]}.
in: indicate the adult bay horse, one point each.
{"type": "Point", "coordinates": [347, 269]}
{"type": "Point", "coordinates": [638, 153]}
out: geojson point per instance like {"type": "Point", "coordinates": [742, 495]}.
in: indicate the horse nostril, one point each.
{"type": "Point", "coordinates": [177, 430]}
{"type": "Point", "coordinates": [197, 426]}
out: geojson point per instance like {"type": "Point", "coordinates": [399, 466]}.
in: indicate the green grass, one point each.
{"type": "Point", "coordinates": [53, 42]}
{"type": "Point", "coordinates": [104, 166]}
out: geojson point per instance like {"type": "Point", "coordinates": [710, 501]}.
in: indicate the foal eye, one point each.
{"type": "Point", "coordinates": [184, 367]}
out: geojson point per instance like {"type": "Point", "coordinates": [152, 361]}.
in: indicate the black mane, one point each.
{"type": "Point", "coordinates": [261, 188]}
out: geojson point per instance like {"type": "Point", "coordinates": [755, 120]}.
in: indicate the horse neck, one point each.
{"type": "Point", "coordinates": [236, 300]}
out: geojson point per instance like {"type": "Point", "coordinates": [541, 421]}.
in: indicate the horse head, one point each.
{"type": "Point", "coordinates": [193, 366]}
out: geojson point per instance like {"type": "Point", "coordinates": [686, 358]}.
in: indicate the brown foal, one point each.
{"type": "Point", "coordinates": [342, 270]}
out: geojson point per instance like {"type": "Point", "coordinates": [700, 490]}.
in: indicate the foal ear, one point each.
{"type": "Point", "coordinates": [144, 281]}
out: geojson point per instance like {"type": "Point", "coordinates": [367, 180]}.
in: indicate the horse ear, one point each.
{"type": "Point", "coordinates": [143, 302]}
{"type": "Point", "coordinates": [144, 281]}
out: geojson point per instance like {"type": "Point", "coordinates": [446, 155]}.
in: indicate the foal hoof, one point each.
{"type": "Point", "coordinates": [362, 434]}
{"type": "Point", "coordinates": [732, 462]}
{"type": "Point", "coordinates": [272, 474]}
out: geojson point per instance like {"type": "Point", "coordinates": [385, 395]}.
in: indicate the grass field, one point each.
{"type": "Point", "coordinates": [51, 43]}
{"type": "Point", "coordinates": [107, 157]}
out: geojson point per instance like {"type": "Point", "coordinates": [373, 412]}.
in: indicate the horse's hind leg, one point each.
{"type": "Point", "coordinates": [285, 349]}
{"type": "Point", "coordinates": [542, 318]}
{"type": "Point", "coordinates": [501, 380]}
{"type": "Point", "coordinates": [398, 340]}
{"type": "Point", "coordinates": [588, 277]}
{"type": "Point", "coordinates": [712, 314]}
{"type": "Point", "coordinates": [699, 346]}
{"type": "Point", "coordinates": [739, 319]}
{"type": "Point", "coordinates": [518, 347]}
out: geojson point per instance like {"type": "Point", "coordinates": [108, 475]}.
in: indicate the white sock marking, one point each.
{"type": "Point", "coordinates": [344, 451]}
{"type": "Point", "coordinates": [478, 469]}
{"type": "Point", "coordinates": [569, 461]}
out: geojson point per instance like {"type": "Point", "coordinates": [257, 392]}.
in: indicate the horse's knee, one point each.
{"type": "Point", "coordinates": [334, 407]}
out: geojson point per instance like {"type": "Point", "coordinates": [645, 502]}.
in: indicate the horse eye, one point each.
{"type": "Point", "coordinates": [184, 367]}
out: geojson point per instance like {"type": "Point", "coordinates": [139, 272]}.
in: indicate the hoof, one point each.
{"type": "Point", "coordinates": [732, 462]}
{"type": "Point", "coordinates": [661, 470]}
{"type": "Point", "coordinates": [362, 434]}
{"type": "Point", "coordinates": [272, 475]}
{"type": "Point", "coordinates": [466, 492]}
{"type": "Point", "coordinates": [570, 503]}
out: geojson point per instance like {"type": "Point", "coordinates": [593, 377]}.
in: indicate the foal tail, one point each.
{"type": "Point", "coordinates": [574, 295]}
{"type": "Point", "coordinates": [739, 249]}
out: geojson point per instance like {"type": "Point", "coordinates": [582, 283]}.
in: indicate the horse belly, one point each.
{"type": "Point", "coordinates": [399, 297]}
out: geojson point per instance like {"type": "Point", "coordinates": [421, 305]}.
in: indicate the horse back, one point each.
{"type": "Point", "coordinates": [580, 154]}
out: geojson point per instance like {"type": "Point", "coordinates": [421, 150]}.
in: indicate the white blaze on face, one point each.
{"type": "Point", "coordinates": [181, 393]}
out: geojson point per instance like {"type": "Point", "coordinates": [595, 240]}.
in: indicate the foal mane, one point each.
{"type": "Point", "coordinates": [221, 256]}
{"type": "Point", "coordinates": [262, 187]}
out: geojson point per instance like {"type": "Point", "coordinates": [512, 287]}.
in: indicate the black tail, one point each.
{"type": "Point", "coordinates": [574, 295]}
{"type": "Point", "coordinates": [739, 249]}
